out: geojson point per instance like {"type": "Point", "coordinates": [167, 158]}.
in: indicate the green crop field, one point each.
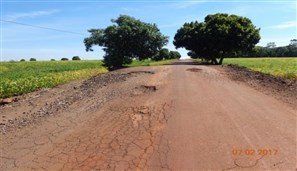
{"type": "Point", "coordinates": [281, 67]}
{"type": "Point", "coordinates": [17, 78]}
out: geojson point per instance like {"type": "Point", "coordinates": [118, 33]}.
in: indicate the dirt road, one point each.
{"type": "Point", "coordinates": [174, 117]}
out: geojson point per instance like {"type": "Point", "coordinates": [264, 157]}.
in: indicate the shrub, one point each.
{"type": "Point", "coordinates": [75, 58]}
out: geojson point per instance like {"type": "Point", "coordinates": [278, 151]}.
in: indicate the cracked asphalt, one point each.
{"type": "Point", "coordinates": [173, 117]}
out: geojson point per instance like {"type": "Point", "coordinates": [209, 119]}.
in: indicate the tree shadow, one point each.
{"type": "Point", "coordinates": [117, 68]}
{"type": "Point", "coordinates": [189, 63]}
{"type": "Point", "coordinates": [180, 62]}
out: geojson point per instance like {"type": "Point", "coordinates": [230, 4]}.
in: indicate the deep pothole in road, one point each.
{"type": "Point", "coordinates": [194, 69]}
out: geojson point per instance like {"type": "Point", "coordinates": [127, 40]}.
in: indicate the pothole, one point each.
{"type": "Point", "coordinates": [147, 88]}
{"type": "Point", "coordinates": [194, 69]}
{"type": "Point", "coordinates": [143, 89]}
{"type": "Point", "coordinates": [141, 72]}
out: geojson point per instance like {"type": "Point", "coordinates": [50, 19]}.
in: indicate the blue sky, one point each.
{"type": "Point", "coordinates": [277, 20]}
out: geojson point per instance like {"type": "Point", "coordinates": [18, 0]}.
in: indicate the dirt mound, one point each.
{"type": "Point", "coordinates": [280, 88]}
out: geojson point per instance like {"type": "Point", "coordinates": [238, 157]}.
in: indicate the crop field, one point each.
{"type": "Point", "coordinates": [18, 78]}
{"type": "Point", "coordinates": [281, 67]}
{"type": "Point", "coordinates": [22, 77]}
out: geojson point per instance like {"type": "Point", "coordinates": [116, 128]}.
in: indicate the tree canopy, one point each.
{"type": "Point", "coordinates": [164, 53]}
{"type": "Point", "coordinates": [75, 58]}
{"type": "Point", "coordinates": [126, 39]}
{"type": "Point", "coordinates": [218, 36]}
{"type": "Point", "coordinates": [174, 55]}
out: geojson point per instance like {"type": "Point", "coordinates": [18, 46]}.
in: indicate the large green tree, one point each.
{"type": "Point", "coordinates": [218, 36]}
{"type": "Point", "coordinates": [174, 55]}
{"type": "Point", "coordinates": [126, 39]}
{"type": "Point", "coordinates": [164, 53]}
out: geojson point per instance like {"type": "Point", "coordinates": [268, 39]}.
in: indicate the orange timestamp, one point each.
{"type": "Point", "coordinates": [253, 152]}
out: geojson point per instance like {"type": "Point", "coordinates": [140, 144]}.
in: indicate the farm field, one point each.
{"type": "Point", "coordinates": [23, 77]}
{"type": "Point", "coordinates": [281, 67]}
{"type": "Point", "coordinates": [18, 78]}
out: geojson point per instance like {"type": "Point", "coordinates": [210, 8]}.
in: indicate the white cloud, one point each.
{"type": "Point", "coordinates": [285, 25]}
{"type": "Point", "coordinates": [33, 14]}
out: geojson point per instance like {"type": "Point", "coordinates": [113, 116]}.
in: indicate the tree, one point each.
{"type": "Point", "coordinates": [75, 58]}
{"type": "Point", "coordinates": [126, 39]}
{"type": "Point", "coordinates": [32, 59]}
{"type": "Point", "coordinates": [164, 53]}
{"type": "Point", "coordinates": [192, 55]}
{"type": "Point", "coordinates": [22, 60]}
{"type": "Point", "coordinates": [157, 57]}
{"type": "Point", "coordinates": [64, 59]}
{"type": "Point", "coordinates": [292, 51]}
{"type": "Point", "coordinates": [174, 55]}
{"type": "Point", "coordinates": [52, 59]}
{"type": "Point", "coordinates": [218, 36]}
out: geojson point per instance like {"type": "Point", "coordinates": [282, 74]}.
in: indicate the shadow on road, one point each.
{"type": "Point", "coordinates": [188, 62]}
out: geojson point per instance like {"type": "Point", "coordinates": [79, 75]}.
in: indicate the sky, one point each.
{"type": "Point", "coordinates": [277, 20]}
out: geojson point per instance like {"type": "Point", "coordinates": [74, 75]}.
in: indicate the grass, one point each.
{"type": "Point", "coordinates": [281, 67]}
{"type": "Point", "coordinates": [150, 63]}
{"type": "Point", "coordinates": [18, 78]}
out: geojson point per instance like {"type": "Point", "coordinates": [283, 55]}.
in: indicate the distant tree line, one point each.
{"type": "Point", "coordinates": [74, 58]}
{"type": "Point", "coordinates": [259, 51]}
{"type": "Point", "coordinates": [165, 54]}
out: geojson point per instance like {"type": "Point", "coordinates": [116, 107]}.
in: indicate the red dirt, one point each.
{"type": "Point", "coordinates": [174, 117]}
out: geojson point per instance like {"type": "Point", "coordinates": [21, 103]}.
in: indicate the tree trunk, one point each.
{"type": "Point", "coordinates": [221, 60]}
{"type": "Point", "coordinates": [214, 61]}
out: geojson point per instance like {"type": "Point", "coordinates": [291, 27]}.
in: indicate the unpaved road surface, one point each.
{"type": "Point", "coordinates": [174, 117]}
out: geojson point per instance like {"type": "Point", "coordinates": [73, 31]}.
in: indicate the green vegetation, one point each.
{"type": "Point", "coordinates": [64, 59]}
{"type": "Point", "coordinates": [217, 37]}
{"type": "Point", "coordinates": [165, 54]}
{"type": "Point", "coordinates": [259, 51]}
{"type": "Point", "coordinates": [75, 58]}
{"type": "Point", "coordinates": [282, 67]}
{"type": "Point", "coordinates": [150, 62]}
{"type": "Point", "coordinates": [125, 39]}
{"type": "Point", "coordinates": [23, 77]}
{"type": "Point", "coordinates": [18, 78]}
